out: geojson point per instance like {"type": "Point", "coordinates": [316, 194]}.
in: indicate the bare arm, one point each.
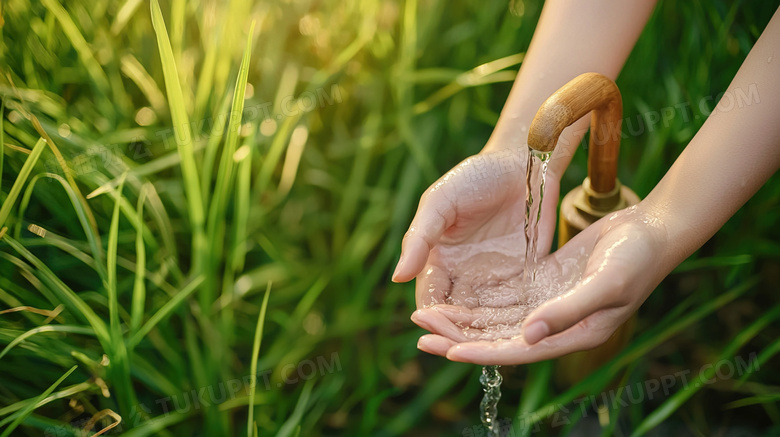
{"type": "Point", "coordinates": [728, 160]}
{"type": "Point", "coordinates": [731, 156]}
{"type": "Point", "coordinates": [572, 37]}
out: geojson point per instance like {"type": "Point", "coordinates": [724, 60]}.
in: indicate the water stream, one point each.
{"type": "Point", "coordinates": [536, 174]}
{"type": "Point", "coordinates": [491, 385]}
{"type": "Point", "coordinates": [534, 194]}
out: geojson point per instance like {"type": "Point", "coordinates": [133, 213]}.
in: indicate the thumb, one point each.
{"type": "Point", "coordinates": [615, 277]}
{"type": "Point", "coordinates": [435, 214]}
{"type": "Point", "coordinates": [560, 314]}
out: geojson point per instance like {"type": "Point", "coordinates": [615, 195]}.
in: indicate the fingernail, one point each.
{"type": "Point", "coordinates": [535, 332]}
{"type": "Point", "coordinates": [416, 319]}
{"type": "Point", "coordinates": [397, 269]}
{"type": "Point", "coordinates": [453, 354]}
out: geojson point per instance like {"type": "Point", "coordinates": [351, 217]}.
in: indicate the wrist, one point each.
{"type": "Point", "coordinates": [510, 132]}
{"type": "Point", "coordinates": [670, 230]}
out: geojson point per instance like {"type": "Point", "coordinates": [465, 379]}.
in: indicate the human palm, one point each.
{"type": "Point", "coordinates": [466, 244]}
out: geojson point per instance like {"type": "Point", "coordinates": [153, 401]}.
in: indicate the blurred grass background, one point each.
{"type": "Point", "coordinates": [144, 255]}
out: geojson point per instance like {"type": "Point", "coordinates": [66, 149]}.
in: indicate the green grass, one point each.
{"type": "Point", "coordinates": [147, 219]}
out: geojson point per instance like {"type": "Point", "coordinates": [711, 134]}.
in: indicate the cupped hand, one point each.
{"type": "Point", "coordinates": [588, 288]}
{"type": "Point", "coordinates": [476, 208]}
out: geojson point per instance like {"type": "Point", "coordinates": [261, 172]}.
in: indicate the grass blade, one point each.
{"type": "Point", "coordinates": [483, 74]}
{"type": "Point", "coordinates": [24, 173]}
{"type": "Point", "coordinates": [119, 369]}
{"type": "Point", "coordinates": [678, 399]}
{"type": "Point", "coordinates": [204, 89]}
{"type": "Point", "coordinates": [84, 52]}
{"type": "Point", "coordinates": [113, 236]}
{"type": "Point", "coordinates": [139, 284]}
{"type": "Point", "coordinates": [66, 170]}
{"type": "Point", "coordinates": [253, 365]}
{"type": "Point", "coordinates": [183, 138]}
{"type": "Point", "coordinates": [241, 212]}
{"type": "Point", "coordinates": [29, 409]}
{"type": "Point", "coordinates": [275, 152]}
{"type": "Point", "coordinates": [155, 425]}
{"type": "Point", "coordinates": [123, 16]}
{"type": "Point", "coordinates": [177, 28]}
{"type": "Point", "coordinates": [450, 375]}
{"type": "Point", "coordinates": [133, 69]}
{"type": "Point", "coordinates": [66, 392]}
{"type": "Point", "coordinates": [165, 311]}
{"type": "Point", "coordinates": [46, 328]}
{"type": "Point", "coordinates": [82, 213]}
{"type": "Point", "coordinates": [212, 145]}
{"type": "Point", "coordinates": [225, 175]}
{"type": "Point", "coordinates": [537, 381]}
{"type": "Point", "coordinates": [64, 293]}
{"type": "Point", "coordinates": [766, 354]}
{"type": "Point", "coordinates": [771, 398]}
{"type": "Point", "coordinates": [292, 427]}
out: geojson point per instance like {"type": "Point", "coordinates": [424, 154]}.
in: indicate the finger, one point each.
{"type": "Point", "coordinates": [434, 214]}
{"type": "Point", "coordinates": [437, 323]}
{"type": "Point", "coordinates": [435, 344]}
{"type": "Point", "coordinates": [564, 311]}
{"type": "Point", "coordinates": [432, 286]}
{"type": "Point", "coordinates": [484, 317]}
{"type": "Point", "coordinates": [595, 331]}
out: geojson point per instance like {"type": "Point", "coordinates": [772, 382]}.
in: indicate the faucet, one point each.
{"type": "Point", "coordinates": [600, 194]}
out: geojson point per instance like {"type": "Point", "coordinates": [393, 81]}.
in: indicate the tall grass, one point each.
{"type": "Point", "coordinates": [161, 164]}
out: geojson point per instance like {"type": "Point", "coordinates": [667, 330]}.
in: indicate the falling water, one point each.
{"type": "Point", "coordinates": [491, 385]}
{"type": "Point", "coordinates": [534, 188]}
{"type": "Point", "coordinates": [534, 193]}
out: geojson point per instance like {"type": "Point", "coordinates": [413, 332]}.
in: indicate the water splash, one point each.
{"type": "Point", "coordinates": [536, 175]}
{"type": "Point", "coordinates": [491, 385]}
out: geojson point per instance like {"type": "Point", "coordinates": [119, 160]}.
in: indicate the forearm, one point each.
{"type": "Point", "coordinates": [571, 38]}
{"type": "Point", "coordinates": [728, 160]}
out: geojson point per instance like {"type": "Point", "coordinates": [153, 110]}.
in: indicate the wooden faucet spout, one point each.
{"type": "Point", "coordinates": [585, 93]}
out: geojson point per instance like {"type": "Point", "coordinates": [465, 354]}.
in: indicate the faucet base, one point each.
{"type": "Point", "coordinates": [578, 210]}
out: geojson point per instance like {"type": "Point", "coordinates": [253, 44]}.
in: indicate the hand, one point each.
{"type": "Point", "coordinates": [620, 260]}
{"type": "Point", "coordinates": [478, 207]}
